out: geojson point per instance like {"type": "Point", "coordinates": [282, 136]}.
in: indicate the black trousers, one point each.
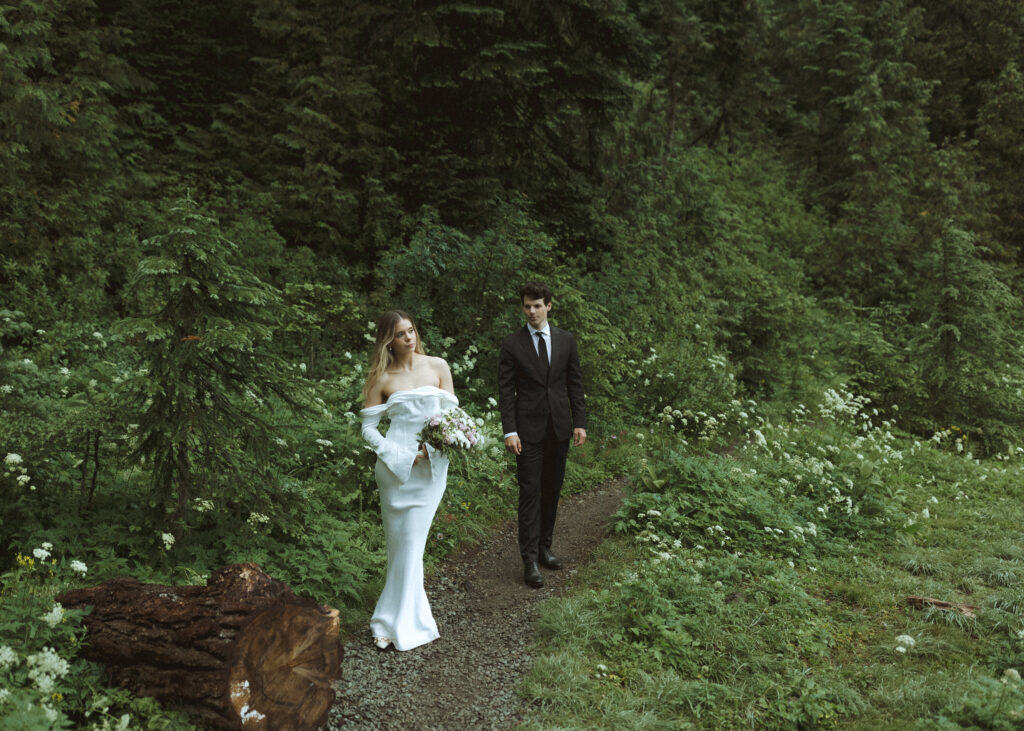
{"type": "Point", "coordinates": [540, 468]}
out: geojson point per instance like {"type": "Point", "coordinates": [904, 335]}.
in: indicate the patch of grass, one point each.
{"type": "Point", "coordinates": [710, 610]}
{"type": "Point", "coordinates": [995, 572]}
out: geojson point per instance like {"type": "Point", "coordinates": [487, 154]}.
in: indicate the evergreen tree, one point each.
{"type": "Point", "coordinates": [967, 346]}
{"type": "Point", "coordinates": [306, 130]}
{"type": "Point", "coordinates": [208, 378]}
{"type": "Point", "coordinates": [1001, 150]}
{"type": "Point", "coordinates": [967, 45]}
{"type": "Point", "coordinates": [68, 162]}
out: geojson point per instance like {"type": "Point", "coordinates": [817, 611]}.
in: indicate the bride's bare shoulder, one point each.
{"type": "Point", "coordinates": [443, 373]}
{"type": "Point", "coordinates": [375, 393]}
{"type": "Point", "coordinates": [439, 365]}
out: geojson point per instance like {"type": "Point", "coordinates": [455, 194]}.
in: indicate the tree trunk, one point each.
{"type": "Point", "coordinates": [242, 652]}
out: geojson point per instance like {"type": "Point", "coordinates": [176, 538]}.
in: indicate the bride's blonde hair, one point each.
{"type": "Point", "coordinates": [381, 358]}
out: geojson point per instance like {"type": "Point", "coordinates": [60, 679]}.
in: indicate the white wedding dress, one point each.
{"type": "Point", "coordinates": [409, 497]}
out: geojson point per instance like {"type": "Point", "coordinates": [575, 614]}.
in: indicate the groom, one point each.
{"type": "Point", "coordinates": [540, 391]}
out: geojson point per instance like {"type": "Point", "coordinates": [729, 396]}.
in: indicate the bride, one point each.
{"type": "Point", "coordinates": [409, 386]}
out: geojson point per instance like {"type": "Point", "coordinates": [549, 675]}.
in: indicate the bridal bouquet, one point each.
{"type": "Point", "coordinates": [451, 431]}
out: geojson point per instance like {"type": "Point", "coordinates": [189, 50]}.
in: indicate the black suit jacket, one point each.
{"type": "Point", "coordinates": [526, 400]}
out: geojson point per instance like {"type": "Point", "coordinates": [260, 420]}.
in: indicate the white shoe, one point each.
{"type": "Point", "coordinates": [382, 642]}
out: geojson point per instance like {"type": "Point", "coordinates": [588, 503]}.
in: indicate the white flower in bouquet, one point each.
{"type": "Point", "coordinates": [450, 431]}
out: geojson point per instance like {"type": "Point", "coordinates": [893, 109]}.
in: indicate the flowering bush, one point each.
{"type": "Point", "coordinates": [452, 430]}
{"type": "Point", "coordinates": [43, 685]}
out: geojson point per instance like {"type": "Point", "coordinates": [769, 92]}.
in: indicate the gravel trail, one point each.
{"type": "Point", "coordinates": [467, 678]}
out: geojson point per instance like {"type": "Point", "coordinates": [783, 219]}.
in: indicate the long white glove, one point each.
{"type": "Point", "coordinates": [397, 458]}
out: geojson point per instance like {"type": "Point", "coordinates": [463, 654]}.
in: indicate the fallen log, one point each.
{"type": "Point", "coordinates": [920, 602]}
{"type": "Point", "coordinates": [242, 652]}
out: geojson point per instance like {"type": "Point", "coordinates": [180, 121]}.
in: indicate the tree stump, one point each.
{"type": "Point", "coordinates": [242, 652]}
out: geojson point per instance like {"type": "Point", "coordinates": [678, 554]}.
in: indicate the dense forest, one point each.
{"type": "Point", "coordinates": [204, 206]}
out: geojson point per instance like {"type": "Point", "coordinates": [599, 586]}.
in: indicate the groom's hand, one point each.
{"type": "Point", "coordinates": [578, 437]}
{"type": "Point", "coordinates": [513, 444]}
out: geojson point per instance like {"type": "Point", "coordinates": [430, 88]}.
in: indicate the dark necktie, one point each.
{"type": "Point", "coordinates": [542, 353]}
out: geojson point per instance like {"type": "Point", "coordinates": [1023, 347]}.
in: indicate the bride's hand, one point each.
{"type": "Point", "coordinates": [421, 455]}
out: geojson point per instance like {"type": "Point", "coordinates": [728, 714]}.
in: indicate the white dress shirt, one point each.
{"type": "Point", "coordinates": [545, 333]}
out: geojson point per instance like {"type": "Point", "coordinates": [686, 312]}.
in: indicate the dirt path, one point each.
{"type": "Point", "coordinates": [467, 678]}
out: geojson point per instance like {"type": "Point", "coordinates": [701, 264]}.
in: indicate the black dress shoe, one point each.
{"type": "Point", "coordinates": [549, 560]}
{"type": "Point", "coordinates": [531, 575]}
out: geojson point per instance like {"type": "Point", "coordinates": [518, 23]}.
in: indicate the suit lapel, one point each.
{"type": "Point", "coordinates": [560, 349]}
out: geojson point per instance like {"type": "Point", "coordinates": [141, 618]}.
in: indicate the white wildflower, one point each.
{"type": "Point", "coordinates": [906, 641]}
{"type": "Point", "coordinates": [79, 568]}
{"type": "Point", "coordinates": [12, 459]}
{"type": "Point", "coordinates": [45, 667]}
{"type": "Point", "coordinates": [55, 616]}
{"type": "Point", "coordinates": [41, 553]}
{"type": "Point", "coordinates": [1011, 674]}
{"type": "Point", "coordinates": [8, 657]}
{"type": "Point", "coordinates": [901, 649]}
{"type": "Point", "coordinates": [257, 519]}
{"type": "Point", "coordinates": [168, 540]}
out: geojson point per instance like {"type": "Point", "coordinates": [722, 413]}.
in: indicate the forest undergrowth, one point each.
{"type": "Point", "coordinates": [770, 586]}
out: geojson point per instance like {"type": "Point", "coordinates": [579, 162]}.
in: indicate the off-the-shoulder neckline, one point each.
{"type": "Point", "coordinates": [410, 390]}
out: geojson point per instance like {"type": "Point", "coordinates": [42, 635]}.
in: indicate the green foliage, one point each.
{"type": "Point", "coordinates": [966, 346]}
{"type": "Point", "coordinates": [743, 589]}
{"type": "Point", "coordinates": [465, 288]}
{"type": "Point", "coordinates": [70, 159]}
{"type": "Point", "coordinates": [1002, 152]}
{"type": "Point", "coordinates": [43, 684]}
{"type": "Point", "coordinates": [206, 372]}
{"type": "Point", "coordinates": [988, 703]}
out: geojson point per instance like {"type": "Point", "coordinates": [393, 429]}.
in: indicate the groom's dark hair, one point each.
{"type": "Point", "coordinates": [535, 291]}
